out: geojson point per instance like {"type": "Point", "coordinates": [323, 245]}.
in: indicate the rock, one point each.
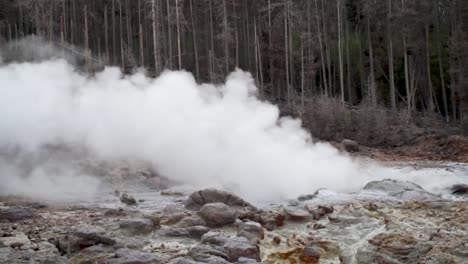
{"type": "Point", "coordinates": [83, 237]}
{"type": "Point", "coordinates": [393, 248]}
{"type": "Point", "coordinates": [204, 253]}
{"type": "Point", "coordinates": [310, 254]}
{"type": "Point", "coordinates": [392, 186]}
{"type": "Point", "coordinates": [350, 145]}
{"type": "Point", "coordinates": [129, 256]}
{"type": "Point", "coordinates": [306, 197]}
{"type": "Point", "coordinates": [214, 238]}
{"type": "Point", "coordinates": [189, 221]}
{"type": "Point", "coordinates": [198, 199]}
{"type": "Point", "coordinates": [115, 213]}
{"type": "Point", "coordinates": [218, 214]}
{"type": "Point", "coordinates": [251, 230]}
{"type": "Point", "coordinates": [14, 214]}
{"type": "Point", "coordinates": [127, 199]}
{"type": "Point", "coordinates": [190, 232]}
{"type": "Point", "coordinates": [277, 240]}
{"type": "Point", "coordinates": [247, 261]}
{"type": "Point", "coordinates": [320, 211]}
{"type": "Point", "coordinates": [137, 226]}
{"type": "Point", "coordinates": [238, 247]}
{"type": "Point", "coordinates": [404, 190]}
{"type": "Point", "coordinates": [296, 214]}
{"type": "Point", "coordinates": [271, 219]}
{"type": "Point", "coordinates": [182, 260]}
{"type": "Point", "coordinates": [460, 189]}
{"type": "Point", "coordinates": [318, 226]}
{"type": "Point", "coordinates": [19, 240]}
{"type": "Point", "coordinates": [172, 218]}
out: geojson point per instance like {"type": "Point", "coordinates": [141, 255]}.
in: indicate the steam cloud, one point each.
{"type": "Point", "coordinates": [202, 135]}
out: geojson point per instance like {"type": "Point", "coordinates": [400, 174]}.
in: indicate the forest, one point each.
{"type": "Point", "coordinates": [396, 61]}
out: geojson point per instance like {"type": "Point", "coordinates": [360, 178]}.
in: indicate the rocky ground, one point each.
{"type": "Point", "coordinates": [387, 222]}
{"type": "Point", "coordinates": [145, 219]}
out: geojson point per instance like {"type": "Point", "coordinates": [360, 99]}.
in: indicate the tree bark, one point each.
{"type": "Point", "coordinates": [390, 57]}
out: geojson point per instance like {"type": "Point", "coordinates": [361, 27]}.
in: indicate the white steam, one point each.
{"type": "Point", "coordinates": [203, 135]}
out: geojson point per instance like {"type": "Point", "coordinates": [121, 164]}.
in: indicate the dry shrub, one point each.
{"type": "Point", "coordinates": [328, 119]}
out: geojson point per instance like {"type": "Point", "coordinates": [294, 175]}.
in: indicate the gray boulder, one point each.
{"type": "Point", "coordinates": [251, 230]}
{"type": "Point", "coordinates": [350, 145]}
{"type": "Point", "coordinates": [460, 189]}
{"type": "Point", "coordinates": [238, 247]}
{"type": "Point", "coordinates": [197, 199]}
{"type": "Point", "coordinates": [129, 256]}
{"type": "Point", "coordinates": [404, 190]}
{"type": "Point", "coordinates": [137, 226]}
{"type": "Point", "coordinates": [14, 214]}
{"type": "Point", "coordinates": [218, 214]}
{"type": "Point", "coordinates": [83, 237]}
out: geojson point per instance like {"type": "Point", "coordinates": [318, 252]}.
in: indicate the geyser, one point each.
{"type": "Point", "coordinates": [203, 135]}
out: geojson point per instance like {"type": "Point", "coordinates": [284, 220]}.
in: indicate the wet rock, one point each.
{"type": "Point", "coordinates": [83, 237]}
{"type": "Point", "coordinates": [19, 240]}
{"type": "Point", "coordinates": [14, 214]}
{"type": "Point", "coordinates": [93, 254]}
{"type": "Point", "coordinates": [129, 256]}
{"type": "Point", "coordinates": [204, 253]}
{"type": "Point", "coordinates": [189, 221]}
{"type": "Point", "coordinates": [251, 230]}
{"type": "Point", "coordinates": [306, 197]}
{"type": "Point", "coordinates": [214, 238]}
{"type": "Point", "coordinates": [296, 214]}
{"type": "Point", "coordinates": [277, 240]}
{"type": "Point", "coordinates": [198, 199]}
{"type": "Point", "coordinates": [320, 211]}
{"type": "Point", "coordinates": [393, 248]}
{"type": "Point", "coordinates": [350, 145]}
{"type": "Point", "coordinates": [115, 213]}
{"type": "Point", "coordinates": [241, 247]}
{"type": "Point", "coordinates": [190, 232]}
{"type": "Point", "coordinates": [460, 189]}
{"type": "Point", "coordinates": [310, 254]}
{"type": "Point", "coordinates": [218, 214]}
{"type": "Point", "coordinates": [172, 218]}
{"type": "Point", "coordinates": [318, 226]}
{"type": "Point", "coordinates": [128, 200]}
{"type": "Point", "coordinates": [247, 261]}
{"type": "Point", "coordinates": [137, 226]}
{"type": "Point", "coordinates": [404, 190]}
{"type": "Point", "coordinates": [392, 187]}
{"type": "Point", "coordinates": [182, 260]}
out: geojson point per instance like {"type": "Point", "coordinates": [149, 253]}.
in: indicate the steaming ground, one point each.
{"type": "Point", "coordinates": [202, 135]}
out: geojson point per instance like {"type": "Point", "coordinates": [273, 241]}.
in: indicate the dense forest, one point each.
{"type": "Point", "coordinates": [406, 56]}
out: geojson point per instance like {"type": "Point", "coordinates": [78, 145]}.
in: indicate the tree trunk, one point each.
{"type": "Point", "coordinates": [322, 57]}
{"type": "Point", "coordinates": [428, 71]}
{"type": "Point", "coordinates": [122, 51]}
{"type": "Point", "coordinates": [195, 51]}
{"type": "Point", "coordinates": [86, 42]}
{"type": "Point", "coordinates": [390, 57]}
{"type": "Point", "coordinates": [179, 52]}
{"type": "Point", "coordinates": [340, 52]}
{"type": "Point", "coordinates": [372, 88]}
{"type": "Point", "coordinates": [327, 51]}
{"type": "Point", "coordinates": [286, 51]}
{"type": "Point", "coordinates": [226, 44]}
{"type": "Point", "coordinates": [114, 38]}
{"type": "Point", "coordinates": [154, 14]}
{"type": "Point", "coordinates": [106, 31]}
{"type": "Point", "coordinates": [441, 67]}
{"type": "Point", "coordinates": [169, 33]}
{"type": "Point", "coordinates": [270, 48]}
{"type": "Point", "coordinates": [140, 35]}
